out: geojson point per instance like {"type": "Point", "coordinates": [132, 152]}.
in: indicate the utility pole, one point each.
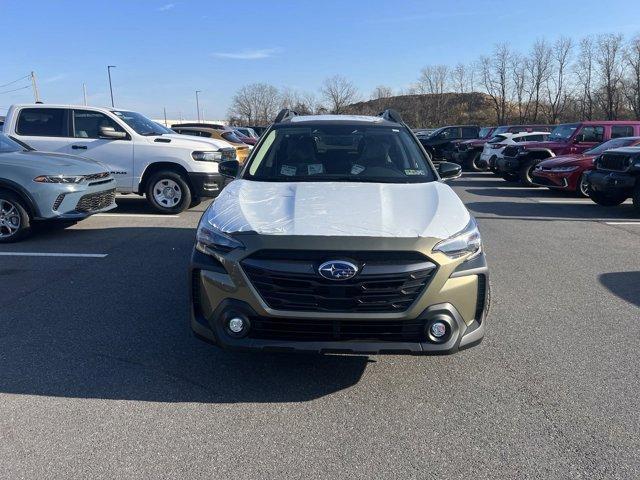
{"type": "Point", "coordinates": [198, 104]}
{"type": "Point", "coordinates": [164, 109]}
{"type": "Point", "coordinates": [84, 93]}
{"type": "Point", "coordinates": [34, 84]}
{"type": "Point", "coordinates": [109, 67]}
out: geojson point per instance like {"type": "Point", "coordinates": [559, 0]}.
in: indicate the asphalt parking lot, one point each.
{"type": "Point", "coordinates": [100, 377]}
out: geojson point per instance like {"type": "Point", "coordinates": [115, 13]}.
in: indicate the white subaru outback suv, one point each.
{"type": "Point", "coordinates": [173, 171]}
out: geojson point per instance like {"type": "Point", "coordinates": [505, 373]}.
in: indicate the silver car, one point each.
{"type": "Point", "coordinates": [41, 186]}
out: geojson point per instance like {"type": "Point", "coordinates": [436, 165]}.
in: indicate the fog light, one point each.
{"type": "Point", "coordinates": [438, 329]}
{"type": "Point", "coordinates": [236, 325]}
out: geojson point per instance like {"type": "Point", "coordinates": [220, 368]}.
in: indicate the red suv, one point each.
{"type": "Point", "coordinates": [519, 161]}
{"type": "Point", "coordinates": [569, 172]}
{"type": "Point", "coordinates": [467, 153]}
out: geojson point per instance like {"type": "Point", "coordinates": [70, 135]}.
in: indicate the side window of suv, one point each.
{"type": "Point", "coordinates": [469, 132]}
{"type": "Point", "coordinates": [618, 131]}
{"type": "Point", "coordinates": [43, 122]}
{"type": "Point", "coordinates": [451, 133]}
{"type": "Point", "coordinates": [86, 124]}
{"type": "Point", "coordinates": [591, 133]}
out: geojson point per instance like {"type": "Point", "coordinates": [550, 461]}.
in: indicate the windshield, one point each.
{"type": "Point", "coordinates": [231, 136]}
{"type": "Point", "coordinates": [9, 145]}
{"type": "Point", "coordinates": [347, 153]}
{"type": "Point", "coordinates": [498, 138]}
{"type": "Point", "coordinates": [501, 130]}
{"type": "Point", "coordinates": [484, 132]}
{"type": "Point", "coordinates": [141, 124]}
{"type": "Point", "coordinates": [563, 132]}
{"type": "Point", "coordinates": [615, 143]}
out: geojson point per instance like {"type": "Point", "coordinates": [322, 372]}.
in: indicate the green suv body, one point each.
{"type": "Point", "coordinates": [338, 235]}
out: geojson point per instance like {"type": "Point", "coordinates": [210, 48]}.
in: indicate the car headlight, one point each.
{"type": "Point", "coordinates": [210, 238]}
{"type": "Point", "coordinates": [465, 242]}
{"type": "Point", "coordinates": [209, 156]}
{"type": "Point", "coordinates": [58, 179]}
{"type": "Point", "coordinates": [563, 169]}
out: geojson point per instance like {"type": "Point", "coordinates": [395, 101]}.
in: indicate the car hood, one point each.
{"type": "Point", "coordinates": [186, 141]}
{"type": "Point", "coordinates": [48, 163]}
{"type": "Point", "coordinates": [475, 142]}
{"type": "Point", "coordinates": [339, 209]}
{"type": "Point", "coordinates": [567, 161]}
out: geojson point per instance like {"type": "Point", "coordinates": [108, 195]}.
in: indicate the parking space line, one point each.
{"type": "Point", "coordinates": [572, 202]}
{"type": "Point", "coordinates": [43, 254]}
{"type": "Point", "coordinates": [623, 223]}
{"type": "Point", "coordinates": [135, 215]}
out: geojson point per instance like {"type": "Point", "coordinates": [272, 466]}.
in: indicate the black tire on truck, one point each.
{"type": "Point", "coordinates": [636, 197]}
{"type": "Point", "coordinates": [168, 192]}
{"type": "Point", "coordinates": [606, 200]}
{"type": "Point", "coordinates": [473, 163]}
{"type": "Point", "coordinates": [15, 222]}
{"type": "Point", "coordinates": [526, 171]}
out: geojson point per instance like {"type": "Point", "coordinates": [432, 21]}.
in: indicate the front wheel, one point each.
{"type": "Point", "coordinates": [607, 200]}
{"type": "Point", "coordinates": [583, 186]}
{"type": "Point", "coordinates": [168, 192]}
{"type": "Point", "coordinates": [475, 165]}
{"type": "Point", "coordinates": [636, 198]}
{"type": "Point", "coordinates": [15, 223]}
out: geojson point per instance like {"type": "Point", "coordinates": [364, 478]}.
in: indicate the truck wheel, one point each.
{"type": "Point", "coordinates": [583, 186]}
{"type": "Point", "coordinates": [15, 223]}
{"type": "Point", "coordinates": [606, 200]}
{"type": "Point", "coordinates": [168, 192]}
{"type": "Point", "coordinates": [475, 165]}
{"type": "Point", "coordinates": [510, 177]}
{"type": "Point", "coordinates": [526, 171]}
{"type": "Point", "coordinates": [636, 197]}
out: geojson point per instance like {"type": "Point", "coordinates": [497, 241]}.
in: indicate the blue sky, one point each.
{"type": "Point", "coordinates": [164, 50]}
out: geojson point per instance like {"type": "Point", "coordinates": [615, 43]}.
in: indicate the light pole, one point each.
{"type": "Point", "coordinates": [109, 67]}
{"type": "Point", "coordinates": [198, 104]}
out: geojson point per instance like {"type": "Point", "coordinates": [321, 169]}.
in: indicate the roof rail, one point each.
{"type": "Point", "coordinates": [285, 114]}
{"type": "Point", "coordinates": [391, 115]}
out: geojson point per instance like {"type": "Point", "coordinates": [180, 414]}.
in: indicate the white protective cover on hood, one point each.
{"type": "Point", "coordinates": [339, 209]}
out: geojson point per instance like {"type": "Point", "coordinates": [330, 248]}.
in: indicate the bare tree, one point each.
{"type": "Point", "coordinates": [303, 103]}
{"type": "Point", "coordinates": [538, 66]}
{"type": "Point", "coordinates": [557, 83]}
{"type": "Point", "coordinates": [338, 93]}
{"type": "Point", "coordinates": [381, 91]}
{"type": "Point", "coordinates": [609, 69]}
{"type": "Point", "coordinates": [255, 104]}
{"type": "Point", "coordinates": [460, 78]}
{"type": "Point", "coordinates": [632, 81]}
{"type": "Point", "coordinates": [521, 85]}
{"type": "Point", "coordinates": [584, 69]}
{"type": "Point", "coordinates": [494, 77]}
{"type": "Point", "coordinates": [434, 80]}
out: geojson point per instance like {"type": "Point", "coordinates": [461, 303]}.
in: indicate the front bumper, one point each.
{"type": "Point", "coordinates": [614, 183]}
{"type": "Point", "coordinates": [206, 184]}
{"type": "Point", "coordinates": [73, 201]}
{"type": "Point", "coordinates": [507, 164]}
{"type": "Point", "coordinates": [458, 294]}
{"type": "Point", "coordinates": [557, 180]}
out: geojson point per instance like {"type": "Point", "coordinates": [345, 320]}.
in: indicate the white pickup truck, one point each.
{"type": "Point", "coordinates": [173, 171]}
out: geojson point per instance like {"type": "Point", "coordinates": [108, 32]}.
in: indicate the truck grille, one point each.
{"type": "Point", "coordinates": [615, 162]}
{"type": "Point", "coordinates": [96, 201]}
{"type": "Point", "coordinates": [336, 330]}
{"type": "Point", "coordinates": [510, 151]}
{"type": "Point", "coordinates": [387, 282]}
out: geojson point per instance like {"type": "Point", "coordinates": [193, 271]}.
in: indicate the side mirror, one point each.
{"type": "Point", "coordinates": [449, 170]}
{"type": "Point", "coordinates": [110, 132]}
{"type": "Point", "coordinates": [229, 168]}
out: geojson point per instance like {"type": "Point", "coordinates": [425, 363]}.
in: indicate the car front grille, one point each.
{"type": "Point", "coordinates": [96, 201]}
{"type": "Point", "coordinates": [387, 282]}
{"type": "Point", "coordinates": [336, 330]}
{"type": "Point", "coordinates": [615, 162]}
{"type": "Point", "coordinates": [510, 151]}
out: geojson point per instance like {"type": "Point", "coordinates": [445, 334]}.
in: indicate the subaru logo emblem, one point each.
{"type": "Point", "coordinates": [337, 270]}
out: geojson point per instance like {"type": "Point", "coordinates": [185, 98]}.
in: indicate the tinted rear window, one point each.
{"type": "Point", "coordinates": [42, 122]}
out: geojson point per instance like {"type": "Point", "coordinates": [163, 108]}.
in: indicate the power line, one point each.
{"type": "Point", "coordinates": [15, 81]}
{"type": "Point", "coordinates": [16, 89]}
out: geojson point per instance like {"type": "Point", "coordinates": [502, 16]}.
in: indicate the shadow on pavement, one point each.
{"type": "Point", "coordinates": [568, 212]}
{"type": "Point", "coordinates": [135, 204]}
{"type": "Point", "coordinates": [625, 285]}
{"type": "Point", "coordinates": [117, 328]}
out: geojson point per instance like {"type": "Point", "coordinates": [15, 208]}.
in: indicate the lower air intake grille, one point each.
{"type": "Point", "coordinates": [96, 201]}
{"type": "Point", "coordinates": [386, 282]}
{"type": "Point", "coordinates": [58, 201]}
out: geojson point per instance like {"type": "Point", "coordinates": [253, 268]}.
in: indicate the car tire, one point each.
{"type": "Point", "coordinates": [473, 163]}
{"type": "Point", "coordinates": [15, 222]}
{"type": "Point", "coordinates": [636, 198]}
{"type": "Point", "coordinates": [195, 202]}
{"type": "Point", "coordinates": [606, 200]}
{"type": "Point", "coordinates": [525, 174]}
{"type": "Point", "coordinates": [511, 177]}
{"type": "Point", "coordinates": [582, 189]}
{"type": "Point", "coordinates": [168, 192]}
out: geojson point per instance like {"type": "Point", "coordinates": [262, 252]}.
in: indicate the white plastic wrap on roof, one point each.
{"type": "Point", "coordinates": [339, 209]}
{"type": "Point", "coordinates": [336, 118]}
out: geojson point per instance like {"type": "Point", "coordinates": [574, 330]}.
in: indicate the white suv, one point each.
{"type": "Point", "coordinates": [493, 148]}
{"type": "Point", "coordinates": [173, 171]}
